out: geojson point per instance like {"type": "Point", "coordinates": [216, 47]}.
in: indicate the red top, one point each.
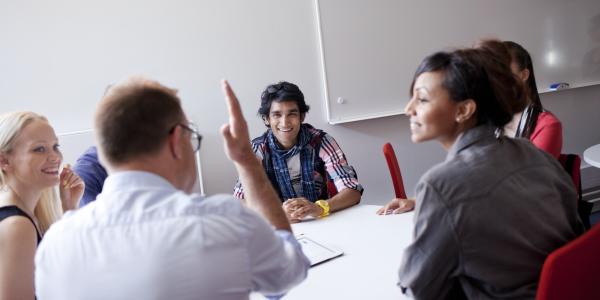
{"type": "Point", "coordinates": [547, 134]}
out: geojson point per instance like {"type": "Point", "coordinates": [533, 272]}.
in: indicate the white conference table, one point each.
{"type": "Point", "coordinates": [591, 156]}
{"type": "Point", "coordinates": [372, 247]}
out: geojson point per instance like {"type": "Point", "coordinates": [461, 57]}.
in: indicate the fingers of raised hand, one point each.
{"type": "Point", "coordinates": [226, 133]}
{"type": "Point", "coordinates": [235, 133]}
{"type": "Point", "coordinates": [236, 118]}
{"type": "Point", "coordinates": [233, 104]}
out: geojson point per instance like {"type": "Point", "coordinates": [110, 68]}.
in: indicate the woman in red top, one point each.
{"type": "Point", "coordinates": [534, 123]}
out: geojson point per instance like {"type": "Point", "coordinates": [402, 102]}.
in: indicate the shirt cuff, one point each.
{"type": "Point", "coordinates": [290, 239]}
{"type": "Point", "coordinates": [287, 236]}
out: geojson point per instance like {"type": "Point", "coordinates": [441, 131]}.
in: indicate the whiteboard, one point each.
{"type": "Point", "coordinates": [370, 49]}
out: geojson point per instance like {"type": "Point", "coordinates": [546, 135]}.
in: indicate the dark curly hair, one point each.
{"type": "Point", "coordinates": [281, 91]}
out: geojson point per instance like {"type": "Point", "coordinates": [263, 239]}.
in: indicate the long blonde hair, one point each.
{"type": "Point", "coordinates": [48, 208]}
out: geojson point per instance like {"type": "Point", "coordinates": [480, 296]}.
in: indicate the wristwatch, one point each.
{"type": "Point", "coordinates": [325, 206]}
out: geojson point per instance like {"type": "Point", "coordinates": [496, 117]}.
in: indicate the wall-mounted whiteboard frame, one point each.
{"type": "Point", "coordinates": [370, 49]}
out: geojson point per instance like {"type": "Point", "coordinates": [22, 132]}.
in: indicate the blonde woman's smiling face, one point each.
{"type": "Point", "coordinates": [35, 157]}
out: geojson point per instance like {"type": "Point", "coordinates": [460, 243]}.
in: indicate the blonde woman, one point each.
{"type": "Point", "coordinates": [30, 162]}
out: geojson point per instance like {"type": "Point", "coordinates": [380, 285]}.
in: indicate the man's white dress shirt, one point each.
{"type": "Point", "coordinates": [144, 239]}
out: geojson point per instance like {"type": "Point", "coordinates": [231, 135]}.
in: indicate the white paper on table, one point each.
{"type": "Point", "coordinates": [317, 252]}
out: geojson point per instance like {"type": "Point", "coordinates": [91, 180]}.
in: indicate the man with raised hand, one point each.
{"type": "Point", "coordinates": [146, 236]}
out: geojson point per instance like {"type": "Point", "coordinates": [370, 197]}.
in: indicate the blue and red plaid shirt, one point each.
{"type": "Point", "coordinates": [329, 164]}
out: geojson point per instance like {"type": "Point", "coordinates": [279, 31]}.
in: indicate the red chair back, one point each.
{"type": "Point", "coordinates": [331, 188]}
{"type": "Point", "coordinates": [571, 272]}
{"type": "Point", "coordinates": [392, 162]}
{"type": "Point", "coordinates": [572, 164]}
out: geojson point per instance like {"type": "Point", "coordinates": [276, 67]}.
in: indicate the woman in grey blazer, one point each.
{"type": "Point", "coordinates": [486, 217]}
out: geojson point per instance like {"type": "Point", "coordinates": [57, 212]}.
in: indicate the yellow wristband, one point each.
{"type": "Point", "coordinates": [325, 206]}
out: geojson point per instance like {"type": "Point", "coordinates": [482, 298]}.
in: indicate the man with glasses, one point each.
{"type": "Point", "coordinates": [146, 236]}
{"type": "Point", "coordinates": [300, 160]}
{"type": "Point", "coordinates": [93, 173]}
{"type": "Point", "coordinates": [195, 137]}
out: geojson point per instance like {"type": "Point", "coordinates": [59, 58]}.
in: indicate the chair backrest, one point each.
{"type": "Point", "coordinates": [331, 188]}
{"type": "Point", "coordinates": [572, 164]}
{"type": "Point", "coordinates": [392, 162]}
{"type": "Point", "coordinates": [571, 272]}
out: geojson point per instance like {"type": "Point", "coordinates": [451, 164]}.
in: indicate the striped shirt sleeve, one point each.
{"type": "Point", "coordinates": [337, 167]}
{"type": "Point", "coordinates": [238, 190]}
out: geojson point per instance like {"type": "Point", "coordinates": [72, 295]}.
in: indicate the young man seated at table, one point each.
{"type": "Point", "coordinates": [300, 159]}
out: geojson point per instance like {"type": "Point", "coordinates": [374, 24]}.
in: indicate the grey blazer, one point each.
{"type": "Point", "coordinates": [486, 218]}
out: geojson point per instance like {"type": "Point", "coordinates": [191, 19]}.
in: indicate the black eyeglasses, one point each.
{"type": "Point", "coordinates": [196, 138]}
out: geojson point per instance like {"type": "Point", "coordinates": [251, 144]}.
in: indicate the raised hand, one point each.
{"type": "Point", "coordinates": [235, 133]}
{"type": "Point", "coordinates": [71, 188]}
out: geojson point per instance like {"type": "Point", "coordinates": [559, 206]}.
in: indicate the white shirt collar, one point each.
{"type": "Point", "coordinates": [135, 179]}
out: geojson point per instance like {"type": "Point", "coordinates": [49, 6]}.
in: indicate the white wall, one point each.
{"type": "Point", "coordinates": [252, 43]}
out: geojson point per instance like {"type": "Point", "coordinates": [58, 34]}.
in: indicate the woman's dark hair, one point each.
{"type": "Point", "coordinates": [523, 60]}
{"type": "Point", "coordinates": [477, 74]}
{"type": "Point", "coordinates": [281, 91]}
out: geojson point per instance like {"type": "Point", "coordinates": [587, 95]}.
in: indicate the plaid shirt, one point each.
{"type": "Point", "coordinates": [330, 163]}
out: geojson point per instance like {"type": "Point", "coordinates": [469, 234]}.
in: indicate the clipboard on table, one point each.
{"type": "Point", "coordinates": [317, 252]}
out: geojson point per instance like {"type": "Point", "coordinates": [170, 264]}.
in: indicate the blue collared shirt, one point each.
{"type": "Point", "coordinates": [92, 173]}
